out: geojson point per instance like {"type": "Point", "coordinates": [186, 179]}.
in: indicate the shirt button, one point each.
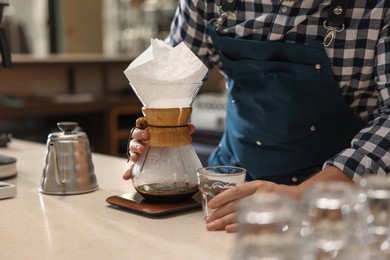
{"type": "Point", "coordinates": [318, 66]}
{"type": "Point", "coordinates": [313, 128]}
{"type": "Point", "coordinates": [258, 143]}
{"type": "Point", "coordinates": [233, 101]}
{"type": "Point", "coordinates": [284, 9]}
{"type": "Point", "coordinates": [294, 179]}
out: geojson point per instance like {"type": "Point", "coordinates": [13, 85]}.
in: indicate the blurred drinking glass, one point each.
{"type": "Point", "coordinates": [268, 226]}
{"type": "Point", "coordinates": [334, 223]}
{"type": "Point", "coordinates": [377, 188]}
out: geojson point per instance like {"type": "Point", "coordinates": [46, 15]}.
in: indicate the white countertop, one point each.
{"type": "Point", "coordinates": [84, 226]}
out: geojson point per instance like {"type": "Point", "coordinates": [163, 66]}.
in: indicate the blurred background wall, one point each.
{"type": "Point", "coordinates": [69, 57]}
{"type": "Point", "coordinates": [87, 26]}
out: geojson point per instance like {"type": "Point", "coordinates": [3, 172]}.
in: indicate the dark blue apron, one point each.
{"type": "Point", "coordinates": [285, 112]}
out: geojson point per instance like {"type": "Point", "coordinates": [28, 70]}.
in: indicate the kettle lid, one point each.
{"type": "Point", "coordinates": [70, 131]}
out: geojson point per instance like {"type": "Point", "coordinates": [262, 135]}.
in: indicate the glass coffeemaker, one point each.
{"type": "Point", "coordinates": [166, 171]}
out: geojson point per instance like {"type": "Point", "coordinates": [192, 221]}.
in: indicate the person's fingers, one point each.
{"type": "Point", "coordinates": [191, 128]}
{"type": "Point", "coordinates": [223, 218]}
{"type": "Point", "coordinates": [232, 228]}
{"type": "Point", "coordinates": [136, 147]}
{"type": "Point", "coordinates": [226, 209]}
{"type": "Point", "coordinates": [134, 157]}
{"type": "Point", "coordinates": [221, 223]}
{"type": "Point", "coordinates": [240, 191]}
{"type": "Point", "coordinates": [140, 134]}
{"type": "Point", "coordinates": [228, 195]}
{"type": "Point", "coordinates": [128, 174]}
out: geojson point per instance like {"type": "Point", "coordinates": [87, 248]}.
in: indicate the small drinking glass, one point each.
{"type": "Point", "coordinates": [377, 188]}
{"type": "Point", "coordinates": [216, 179]}
{"type": "Point", "coordinates": [334, 221]}
{"type": "Point", "coordinates": [268, 228]}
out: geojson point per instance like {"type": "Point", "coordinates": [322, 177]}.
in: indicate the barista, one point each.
{"type": "Point", "coordinates": [308, 91]}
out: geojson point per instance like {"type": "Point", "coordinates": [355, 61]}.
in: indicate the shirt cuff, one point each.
{"type": "Point", "coordinates": [354, 164]}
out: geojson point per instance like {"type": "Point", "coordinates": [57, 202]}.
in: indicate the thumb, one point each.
{"type": "Point", "coordinates": [191, 128]}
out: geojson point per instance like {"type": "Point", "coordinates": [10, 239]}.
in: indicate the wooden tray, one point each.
{"type": "Point", "coordinates": [135, 202]}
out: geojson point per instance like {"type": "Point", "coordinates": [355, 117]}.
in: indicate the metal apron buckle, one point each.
{"type": "Point", "coordinates": [226, 9]}
{"type": "Point", "coordinates": [218, 22]}
{"type": "Point", "coordinates": [331, 33]}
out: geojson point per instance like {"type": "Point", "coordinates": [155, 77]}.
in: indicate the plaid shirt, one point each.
{"type": "Point", "coordinates": [359, 55]}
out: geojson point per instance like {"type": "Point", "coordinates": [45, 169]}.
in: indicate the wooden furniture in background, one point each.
{"type": "Point", "coordinates": [118, 133]}
{"type": "Point", "coordinates": [87, 87]}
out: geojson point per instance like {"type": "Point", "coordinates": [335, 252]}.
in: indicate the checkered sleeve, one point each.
{"type": "Point", "coordinates": [189, 25]}
{"type": "Point", "coordinates": [370, 149]}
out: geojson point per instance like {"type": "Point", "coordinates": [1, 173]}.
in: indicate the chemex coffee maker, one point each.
{"type": "Point", "coordinates": [166, 80]}
{"type": "Point", "coordinates": [166, 171]}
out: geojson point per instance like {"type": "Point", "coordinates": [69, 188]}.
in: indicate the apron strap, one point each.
{"type": "Point", "coordinates": [228, 5]}
{"type": "Point", "coordinates": [335, 20]}
{"type": "Point", "coordinates": [336, 14]}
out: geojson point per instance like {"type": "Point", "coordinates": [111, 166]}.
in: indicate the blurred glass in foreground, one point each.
{"type": "Point", "coordinates": [268, 226]}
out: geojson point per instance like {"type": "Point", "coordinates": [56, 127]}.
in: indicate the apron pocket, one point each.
{"type": "Point", "coordinates": [279, 100]}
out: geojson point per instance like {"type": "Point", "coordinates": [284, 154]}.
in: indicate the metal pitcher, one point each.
{"type": "Point", "coordinates": [68, 165]}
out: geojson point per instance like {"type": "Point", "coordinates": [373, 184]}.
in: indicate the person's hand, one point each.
{"type": "Point", "coordinates": [225, 204]}
{"type": "Point", "coordinates": [136, 147]}
{"type": "Point", "coordinates": [139, 135]}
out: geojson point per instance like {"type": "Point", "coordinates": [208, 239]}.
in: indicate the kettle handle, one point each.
{"type": "Point", "coordinates": [56, 172]}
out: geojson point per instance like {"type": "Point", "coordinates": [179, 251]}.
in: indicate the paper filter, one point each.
{"type": "Point", "coordinates": [163, 76]}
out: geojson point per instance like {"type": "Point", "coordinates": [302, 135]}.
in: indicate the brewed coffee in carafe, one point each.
{"type": "Point", "coordinates": [166, 171]}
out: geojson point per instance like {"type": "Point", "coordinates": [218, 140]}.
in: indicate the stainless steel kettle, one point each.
{"type": "Point", "coordinates": [68, 165]}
